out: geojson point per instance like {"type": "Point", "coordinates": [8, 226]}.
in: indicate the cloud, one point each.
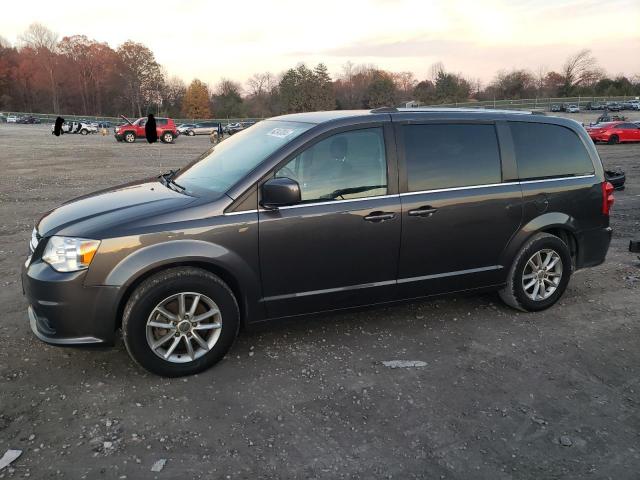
{"type": "Point", "coordinates": [476, 59]}
{"type": "Point", "coordinates": [413, 47]}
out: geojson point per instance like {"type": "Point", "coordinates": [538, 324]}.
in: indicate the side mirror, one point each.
{"type": "Point", "coordinates": [280, 192]}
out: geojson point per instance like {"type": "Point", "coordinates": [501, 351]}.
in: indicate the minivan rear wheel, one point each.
{"type": "Point", "coordinates": [129, 137]}
{"type": "Point", "coordinates": [180, 322]}
{"type": "Point", "coordinates": [539, 274]}
{"type": "Point", "coordinates": [167, 137]}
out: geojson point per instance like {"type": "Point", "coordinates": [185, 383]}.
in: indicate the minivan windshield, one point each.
{"type": "Point", "coordinates": [218, 169]}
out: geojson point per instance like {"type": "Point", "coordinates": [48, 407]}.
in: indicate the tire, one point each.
{"type": "Point", "coordinates": [129, 137]}
{"type": "Point", "coordinates": [191, 133]}
{"type": "Point", "coordinates": [615, 178]}
{"type": "Point", "coordinates": [164, 286]}
{"type": "Point", "coordinates": [84, 131]}
{"type": "Point", "coordinates": [167, 137]}
{"type": "Point", "coordinates": [514, 294]}
{"type": "Point", "coordinates": [613, 139]}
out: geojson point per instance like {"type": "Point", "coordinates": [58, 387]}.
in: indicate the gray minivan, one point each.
{"type": "Point", "coordinates": [320, 211]}
{"type": "Point", "coordinates": [203, 128]}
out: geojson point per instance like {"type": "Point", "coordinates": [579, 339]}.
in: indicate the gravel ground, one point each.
{"type": "Point", "coordinates": [499, 395]}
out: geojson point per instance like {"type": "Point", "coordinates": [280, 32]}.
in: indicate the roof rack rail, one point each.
{"type": "Point", "coordinates": [384, 110]}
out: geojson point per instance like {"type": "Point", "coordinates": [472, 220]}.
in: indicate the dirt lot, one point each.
{"type": "Point", "coordinates": [503, 395]}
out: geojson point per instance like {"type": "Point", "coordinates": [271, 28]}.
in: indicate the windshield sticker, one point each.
{"type": "Point", "coordinates": [281, 132]}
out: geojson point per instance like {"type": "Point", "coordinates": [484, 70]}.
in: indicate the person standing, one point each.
{"type": "Point", "coordinates": [220, 132]}
{"type": "Point", "coordinates": [57, 129]}
{"type": "Point", "coordinates": [150, 129]}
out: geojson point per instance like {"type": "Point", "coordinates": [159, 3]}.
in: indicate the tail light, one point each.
{"type": "Point", "coordinates": [607, 197]}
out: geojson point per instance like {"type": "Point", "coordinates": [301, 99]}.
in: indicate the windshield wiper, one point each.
{"type": "Point", "coordinates": [169, 182]}
{"type": "Point", "coordinates": [348, 191]}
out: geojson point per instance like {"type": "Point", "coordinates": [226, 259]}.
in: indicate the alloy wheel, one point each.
{"type": "Point", "coordinates": [183, 327]}
{"type": "Point", "coordinates": [542, 274]}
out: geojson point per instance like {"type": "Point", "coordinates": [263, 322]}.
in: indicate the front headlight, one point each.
{"type": "Point", "coordinates": [66, 254]}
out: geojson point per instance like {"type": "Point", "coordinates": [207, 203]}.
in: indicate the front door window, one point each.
{"type": "Point", "coordinates": [344, 166]}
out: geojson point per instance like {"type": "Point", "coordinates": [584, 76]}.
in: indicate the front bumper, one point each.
{"type": "Point", "coordinates": [63, 311]}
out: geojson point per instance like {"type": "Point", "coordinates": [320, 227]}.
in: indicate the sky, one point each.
{"type": "Point", "coordinates": [214, 40]}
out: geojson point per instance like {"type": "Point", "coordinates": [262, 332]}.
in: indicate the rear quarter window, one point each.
{"type": "Point", "coordinates": [545, 150]}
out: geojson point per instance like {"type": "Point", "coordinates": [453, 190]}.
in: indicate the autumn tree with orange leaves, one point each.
{"type": "Point", "coordinates": [196, 101]}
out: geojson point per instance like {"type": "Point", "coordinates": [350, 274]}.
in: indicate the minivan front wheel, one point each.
{"type": "Point", "coordinates": [180, 322]}
{"type": "Point", "coordinates": [539, 274]}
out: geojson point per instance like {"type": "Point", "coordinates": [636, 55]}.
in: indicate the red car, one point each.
{"type": "Point", "coordinates": [614, 132]}
{"type": "Point", "coordinates": [128, 132]}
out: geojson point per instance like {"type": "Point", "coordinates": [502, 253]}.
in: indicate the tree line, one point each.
{"type": "Point", "coordinates": [76, 74]}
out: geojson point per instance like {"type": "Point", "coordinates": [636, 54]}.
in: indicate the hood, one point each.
{"type": "Point", "coordinates": [97, 215]}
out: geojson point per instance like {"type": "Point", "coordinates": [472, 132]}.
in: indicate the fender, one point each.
{"type": "Point", "coordinates": [189, 251]}
{"type": "Point", "coordinates": [543, 222]}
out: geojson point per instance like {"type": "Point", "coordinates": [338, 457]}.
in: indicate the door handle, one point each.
{"type": "Point", "coordinates": [425, 211]}
{"type": "Point", "coordinates": [379, 216]}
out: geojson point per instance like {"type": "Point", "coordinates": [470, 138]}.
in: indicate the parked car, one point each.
{"type": "Point", "coordinates": [634, 105]}
{"type": "Point", "coordinates": [128, 132]}
{"type": "Point", "coordinates": [3, 119]}
{"type": "Point", "coordinates": [203, 128]}
{"type": "Point", "coordinates": [614, 132]}
{"type": "Point", "coordinates": [231, 128]}
{"type": "Point", "coordinates": [555, 107]}
{"type": "Point", "coordinates": [84, 128]}
{"type": "Point", "coordinates": [186, 129]}
{"type": "Point", "coordinates": [614, 106]}
{"type": "Point", "coordinates": [77, 127]}
{"type": "Point", "coordinates": [237, 127]}
{"type": "Point", "coordinates": [104, 124]}
{"type": "Point", "coordinates": [350, 214]}
{"type": "Point", "coordinates": [594, 106]}
{"type": "Point", "coordinates": [607, 117]}
{"type": "Point", "coordinates": [28, 120]}
{"type": "Point", "coordinates": [573, 108]}
{"type": "Point", "coordinates": [12, 119]}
